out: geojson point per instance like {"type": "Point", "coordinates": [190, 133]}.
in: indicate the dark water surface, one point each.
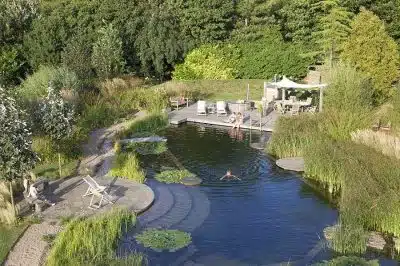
{"type": "Point", "coordinates": [268, 217]}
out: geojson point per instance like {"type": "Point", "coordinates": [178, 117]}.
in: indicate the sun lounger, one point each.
{"type": "Point", "coordinates": [221, 108]}
{"type": "Point", "coordinates": [96, 190]}
{"type": "Point", "coordinates": [201, 108]}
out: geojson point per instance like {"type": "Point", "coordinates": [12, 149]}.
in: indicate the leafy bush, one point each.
{"type": "Point", "coordinates": [35, 86]}
{"type": "Point", "coordinates": [92, 241]}
{"type": "Point", "coordinates": [270, 55]}
{"type": "Point", "coordinates": [158, 240]}
{"type": "Point", "coordinates": [127, 166]}
{"type": "Point", "coordinates": [173, 176]}
{"type": "Point", "coordinates": [348, 261]}
{"type": "Point", "coordinates": [145, 148]}
{"type": "Point", "coordinates": [209, 62]}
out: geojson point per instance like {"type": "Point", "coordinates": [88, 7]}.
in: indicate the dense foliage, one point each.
{"type": "Point", "coordinates": [154, 36]}
{"type": "Point", "coordinates": [173, 176]}
{"type": "Point", "coordinates": [348, 261]}
{"type": "Point", "coordinates": [374, 52]}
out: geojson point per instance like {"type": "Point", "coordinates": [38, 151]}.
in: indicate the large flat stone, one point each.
{"type": "Point", "coordinates": [291, 163]}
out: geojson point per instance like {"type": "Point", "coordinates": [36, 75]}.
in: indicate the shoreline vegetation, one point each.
{"type": "Point", "coordinates": [365, 179]}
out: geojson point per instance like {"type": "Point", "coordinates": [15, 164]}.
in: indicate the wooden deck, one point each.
{"type": "Point", "coordinates": [251, 118]}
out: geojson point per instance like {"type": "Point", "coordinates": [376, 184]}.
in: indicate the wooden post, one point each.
{"type": "Point", "coordinates": [321, 98]}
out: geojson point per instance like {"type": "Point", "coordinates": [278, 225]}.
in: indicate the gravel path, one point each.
{"type": "Point", "coordinates": [31, 249]}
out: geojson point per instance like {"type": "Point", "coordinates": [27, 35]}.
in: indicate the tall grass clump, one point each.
{"type": "Point", "coordinates": [91, 241]}
{"type": "Point", "coordinates": [126, 165]}
{"type": "Point", "coordinates": [386, 143]}
{"type": "Point", "coordinates": [7, 213]}
{"type": "Point", "coordinates": [159, 240]}
{"type": "Point", "coordinates": [148, 125]}
{"type": "Point", "coordinates": [292, 135]}
{"type": "Point", "coordinates": [173, 176]}
{"type": "Point", "coordinates": [348, 102]}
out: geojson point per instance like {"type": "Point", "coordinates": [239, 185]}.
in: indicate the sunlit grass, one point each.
{"type": "Point", "coordinates": [173, 176]}
{"type": "Point", "coordinates": [126, 165]}
{"type": "Point", "coordinates": [158, 239]}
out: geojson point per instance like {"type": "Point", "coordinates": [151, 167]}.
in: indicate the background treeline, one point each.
{"type": "Point", "coordinates": [150, 37]}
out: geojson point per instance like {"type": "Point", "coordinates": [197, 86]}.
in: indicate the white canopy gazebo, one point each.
{"type": "Point", "coordinates": [286, 83]}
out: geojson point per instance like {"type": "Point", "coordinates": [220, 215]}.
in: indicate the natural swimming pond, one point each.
{"type": "Point", "coordinates": [269, 216]}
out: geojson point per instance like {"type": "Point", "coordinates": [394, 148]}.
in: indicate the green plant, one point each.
{"type": "Point", "coordinates": [145, 148]}
{"type": "Point", "coordinates": [91, 241]}
{"type": "Point", "coordinates": [149, 124]}
{"type": "Point", "coordinates": [173, 176]}
{"type": "Point", "coordinates": [349, 239]}
{"type": "Point", "coordinates": [49, 238]}
{"type": "Point", "coordinates": [370, 49]}
{"type": "Point", "coordinates": [157, 239]}
{"type": "Point", "coordinates": [107, 57]}
{"type": "Point", "coordinates": [348, 261]}
{"type": "Point", "coordinates": [126, 165]}
{"type": "Point", "coordinates": [209, 62]}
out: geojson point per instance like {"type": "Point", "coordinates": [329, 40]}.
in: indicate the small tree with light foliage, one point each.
{"type": "Point", "coordinates": [57, 118]}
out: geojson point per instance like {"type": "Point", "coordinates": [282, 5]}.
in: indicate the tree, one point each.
{"type": "Point", "coordinates": [209, 62]}
{"type": "Point", "coordinates": [371, 50]}
{"type": "Point", "coordinates": [57, 119]}
{"type": "Point", "coordinates": [253, 16]}
{"type": "Point", "coordinates": [16, 155]}
{"type": "Point", "coordinates": [333, 28]}
{"type": "Point", "coordinates": [10, 65]}
{"type": "Point", "coordinates": [107, 57]}
{"type": "Point", "coordinates": [76, 55]}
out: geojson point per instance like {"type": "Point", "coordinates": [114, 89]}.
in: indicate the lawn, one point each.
{"type": "Point", "coordinates": [50, 170]}
{"type": "Point", "coordinates": [8, 235]}
{"type": "Point", "coordinates": [215, 89]}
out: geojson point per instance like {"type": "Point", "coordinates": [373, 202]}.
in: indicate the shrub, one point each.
{"type": "Point", "coordinates": [173, 176]}
{"type": "Point", "coordinates": [209, 62]}
{"type": "Point", "coordinates": [158, 240]}
{"type": "Point", "coordinates": [127, 166]}
{"type": "Point", "coordinates": [348, 261]}
{"type": "Point", "coordinates": [35, 86]}
{"type": "Point", "coordinates": [91, 241]}
{"type": "Point", "coordinates": [270, 55]}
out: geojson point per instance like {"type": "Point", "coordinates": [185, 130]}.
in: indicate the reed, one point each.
{"type": "Point", "coordinates": [173, 176]}
{"type": "Point", "coordinates": [126, 165]}
{"type": "Point", "coordinates": [341, 261]}
{"type": "Point", "coordinates": [159, 240]}
{"type": "Point", "coordinates": [149, 124]}
{"type": "Point", "coordinates": [92, 241]}
{"type": "Point", "coordinates": [380, 141]}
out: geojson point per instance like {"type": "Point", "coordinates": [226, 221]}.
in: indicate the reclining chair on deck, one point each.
{"type": "Point", "coordinates": [201, 108]}
{"type": "Point", "coordinates": [96, 190]}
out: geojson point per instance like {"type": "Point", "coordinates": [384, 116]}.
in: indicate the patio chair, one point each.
{"type": "Point", "coordinates": [295, 109]}
{"type": "Point", "coordinates": [221, 108]}
{"type": "Point", "coordinates": [201, 108]}
{"type": "Point", "coordinates": [312, 109]}
{"type": "Point", "coordinates": [96, 190]}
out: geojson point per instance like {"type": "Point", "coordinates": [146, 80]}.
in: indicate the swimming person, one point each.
{"type": "Point", "coordinates": [229, 175]}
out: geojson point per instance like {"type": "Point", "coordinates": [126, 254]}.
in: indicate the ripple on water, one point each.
{"type": "Point", "coordinates": [266, 217]}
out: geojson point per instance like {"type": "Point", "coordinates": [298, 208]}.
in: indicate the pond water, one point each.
{"type": "Point", "coordinates": [269, 216]}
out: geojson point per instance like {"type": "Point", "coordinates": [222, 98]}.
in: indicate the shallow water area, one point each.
{"type": "Point", "coordinates": [269, 216]}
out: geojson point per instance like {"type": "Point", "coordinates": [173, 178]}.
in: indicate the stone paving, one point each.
{"type": "Point", "coordinates": [31, 249]}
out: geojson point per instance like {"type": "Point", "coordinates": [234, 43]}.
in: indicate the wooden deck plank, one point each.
{"type": "Point", "coordinates": [189, 114]}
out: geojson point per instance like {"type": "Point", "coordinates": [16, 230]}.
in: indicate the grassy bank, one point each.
{"type": "Point", "coordinates": [50, 170]}
{"type": "Point", "coordinates": [146, 126]}
{"type": "Point", "coordinates": [93, 241]}
{"type": "Point", "coordinates": [363, 177]}
{"type": "Point", "coordinates": [8, 236]}
{"type": "Point", "coordinates": [215, 89]}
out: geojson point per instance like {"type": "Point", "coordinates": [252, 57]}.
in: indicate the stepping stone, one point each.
{"type": "Point", "coordinates": [376, 240]}
{"type": "Point", "coordinates": [257, 146]}
{"type": "Point", "coordinates": [191, 181]}
{"type": "Point", "coordinates": [291, 163]}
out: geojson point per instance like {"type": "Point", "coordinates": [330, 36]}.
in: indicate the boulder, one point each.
{"type": "Point", "coordinates": [376, 241]}
{"type": "Point", "coordinates": [329, 231]}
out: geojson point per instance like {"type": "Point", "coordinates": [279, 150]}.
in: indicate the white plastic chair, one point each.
{"type": "Point", "coordinates": [201, 108]}
{"type": "Point", "coordinates": [221, 108]}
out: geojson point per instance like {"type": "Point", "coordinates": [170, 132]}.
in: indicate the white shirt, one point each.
{"type": "Point", "coordinates": [33, 192]}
